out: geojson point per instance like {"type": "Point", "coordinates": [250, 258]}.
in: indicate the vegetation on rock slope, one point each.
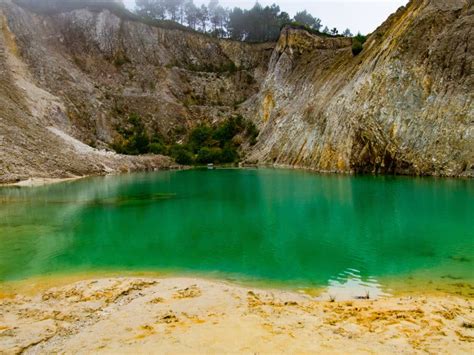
{"type": "Point", "coordinates": [49, 7]}
{"type": "Point", "coordinates": [358, 44]}
{"type": "Point", "coordinates": [218, 144]}
{"type": "Point", "coordinates": [257, 24]}
{"type": "Point", "coordinates": [380, 112]}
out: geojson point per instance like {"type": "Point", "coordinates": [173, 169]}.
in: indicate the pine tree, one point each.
{"type": "Point", "coordinates": [305, 18]}
{"type": "Point", "coordinates": [347, 33]}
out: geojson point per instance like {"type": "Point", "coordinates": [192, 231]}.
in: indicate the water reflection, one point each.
{"type": "Point", "coordinates": [350, 284]}
{"type": "Point", "coordinates": [275, 225]}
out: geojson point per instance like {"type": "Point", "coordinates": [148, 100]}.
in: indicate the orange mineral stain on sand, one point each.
{"type": "Point", "coordinates": [201, 315]}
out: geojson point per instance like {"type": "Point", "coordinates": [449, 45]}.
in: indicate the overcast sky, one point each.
{"type": "Point", "coordinates": [357, 15]}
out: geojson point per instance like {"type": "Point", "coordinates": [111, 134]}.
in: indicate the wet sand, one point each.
{"type": "Point", "coordinates": [192, 315]}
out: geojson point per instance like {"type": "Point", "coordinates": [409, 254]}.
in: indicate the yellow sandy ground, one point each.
{"type": "Point", "coordinates": [188, 315]}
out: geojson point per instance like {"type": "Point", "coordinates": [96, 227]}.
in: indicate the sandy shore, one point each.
{"type": "Point", "coordinates": [186, 315]}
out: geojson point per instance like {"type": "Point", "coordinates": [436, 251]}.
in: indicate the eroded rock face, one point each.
{"type": "Point", "coordinates": [83, 73]}
{"type": "Point", "coordinates": [404, 105]}
{"type": "Point", "coordinates": [32, 143]}
{"type": "Point", "coordinates": [104, 68]}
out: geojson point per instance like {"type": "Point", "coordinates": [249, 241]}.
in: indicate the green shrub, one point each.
{"type": "Point", "coordinates": [120, 60]}
{"type": "Point", "coordinates": [157, 148]}
{"type": "Point", "coordinates": [358, 43]}
{"type": "Point", "coordinates": [134, 139]}
{"type": "Point", "coordinates": [357, 47]}
{"type": "Point", "coordinates": [361, 38]}
{"type": "Point", "coordinates": [205, 144]}
{"type": "Point", "coordinates": [181, 154]}
{"type": "Point", "coordinates": [199, 137]}
{"type": "Point", "coordinates": [252, 132]}
{"type": "Point", "coordinates": [229, 154]}
{"type": "Point", "coordinates": [220, 144]}
{"type": "Point", "coordinates": [208, 155]}
{"type": "Point", "coordinates": [228, 129]}
{"type": "Point", "coordinates": [228, 67]}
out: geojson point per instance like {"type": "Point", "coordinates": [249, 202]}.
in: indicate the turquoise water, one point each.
{"type": "Point", "coordinates": [288, 227]}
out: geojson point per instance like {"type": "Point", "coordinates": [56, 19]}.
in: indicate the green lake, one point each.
{"type": "Point", "coordinates": [285, 227]}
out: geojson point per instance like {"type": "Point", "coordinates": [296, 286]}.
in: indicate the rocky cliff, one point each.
{"type": "Point", "coordinates": [78, 75]}
{"type": "Point", "coordinates": [68, 80]}
{"type": "Point", "coordinates": [404, 105]}
{"type": "Point", "coordinates": [31, 144]}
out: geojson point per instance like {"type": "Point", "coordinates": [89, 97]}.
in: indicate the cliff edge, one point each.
{"type": "Point", "coordinates": [404, 105]}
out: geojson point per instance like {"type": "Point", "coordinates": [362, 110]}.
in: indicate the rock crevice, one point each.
{"type": "Point", "coordinates": [404, 105]}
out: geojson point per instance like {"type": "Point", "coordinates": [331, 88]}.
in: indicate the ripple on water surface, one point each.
{"type": "Point", "coordinates": [349, 234]}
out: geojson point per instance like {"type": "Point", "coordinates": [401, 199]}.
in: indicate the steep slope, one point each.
{"type": "Point", "coordinates": [404, 105]}
{"type": "Point", "coordinates": [69, 81]}
{"type": "Point", "coordinates": [30, 144]}
{"type": "Point", "coordinates": [104, 67]}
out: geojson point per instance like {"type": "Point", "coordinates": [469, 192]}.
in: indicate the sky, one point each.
{"type": "Point", "coordinates": [358, 15]}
